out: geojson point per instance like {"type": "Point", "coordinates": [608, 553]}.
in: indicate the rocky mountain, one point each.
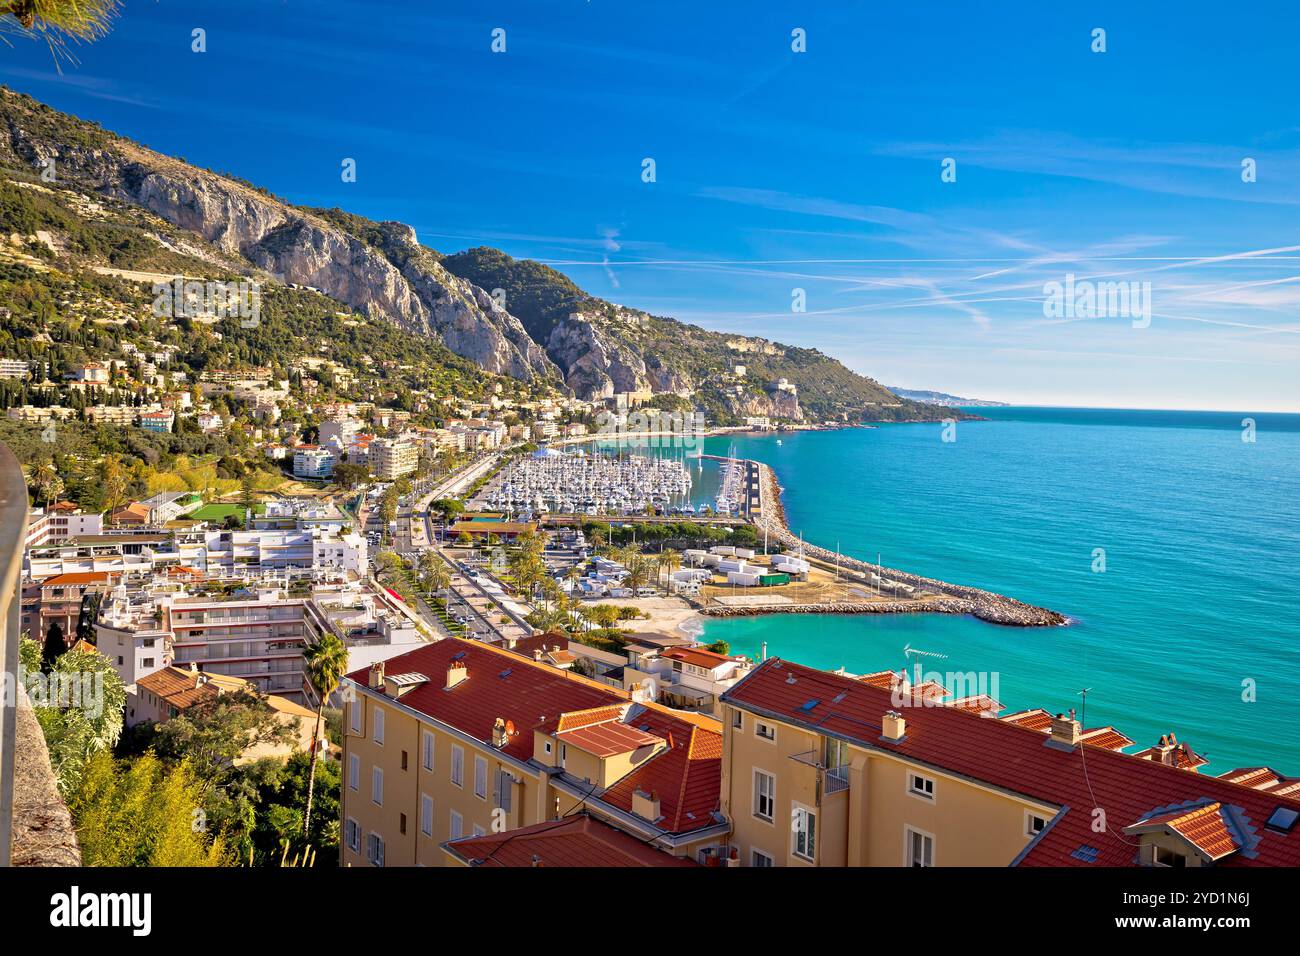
{"type": "Point", "coordinates": [381, 274]}
{"type": "Point", "coordinates": [534, 324]}
{"type": "Point", "coordinates": [603, 348]}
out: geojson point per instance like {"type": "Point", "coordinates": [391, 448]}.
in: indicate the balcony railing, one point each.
{"type": "Point", "coordinates": [836, 778]}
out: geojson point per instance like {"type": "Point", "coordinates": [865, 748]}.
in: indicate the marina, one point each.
{"type": "Point", "coordinates": [591, 483]}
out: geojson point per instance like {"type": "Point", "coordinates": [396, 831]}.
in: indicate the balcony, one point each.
{"type": "Point", "coordinates": [835, 779]}
{"type": "Point", "coordinates": [35, 827]}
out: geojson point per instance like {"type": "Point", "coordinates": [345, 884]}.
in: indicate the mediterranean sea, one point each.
{"type": "Point", "coordinates": [1172, 543]}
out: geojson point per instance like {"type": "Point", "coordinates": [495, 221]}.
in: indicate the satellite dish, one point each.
{"type": "Point", "coordinates": [510, 728]}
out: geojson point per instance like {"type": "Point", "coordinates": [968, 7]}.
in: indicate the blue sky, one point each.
{"type": "Point", "coordinates": [778, 170]}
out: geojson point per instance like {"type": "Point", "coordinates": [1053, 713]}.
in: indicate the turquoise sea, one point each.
{"type": "Point", "coordinates": [1197, 604]}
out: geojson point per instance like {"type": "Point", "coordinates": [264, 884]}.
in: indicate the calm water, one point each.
{"type": "Point", "coordinates": [1201, 534]}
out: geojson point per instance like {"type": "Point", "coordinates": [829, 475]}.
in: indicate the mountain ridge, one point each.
{"type": "Point", "coordinates": [536, 324]}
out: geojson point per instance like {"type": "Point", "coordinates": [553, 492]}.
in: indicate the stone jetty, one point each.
{"type": "Point", "coordinates": [928, 595]}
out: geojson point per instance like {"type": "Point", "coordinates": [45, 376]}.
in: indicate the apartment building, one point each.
{"type": "Point", "coordinates": [339, 433]}
{"type": "Point", "coordinates": [132, 632]}
{"type": "Point", "coordinates": [460, 740]}
{"type": "Point", "coordinates": [826, 769]}
{"type": "Point", "coordinates": [312, 462]}
{"type": "Point", "coordinates": [59, 522]}
{"type": "Point", "coordinates": [158, 421]}
{"type": "Point", "coordinates": [260, 639]}
{"type": "Point", "coordinates": [244, 553]}
{"type": "Point", "coordinates": [390, 459]}
{"type": "Point", "coordinates": [13, 368]}
{"type": "Point", "coordinates": [305, 552]}
{"type": "Point", "coordinates": [58, 600]}
{"type": "Point", "coordinates": [683, 675]}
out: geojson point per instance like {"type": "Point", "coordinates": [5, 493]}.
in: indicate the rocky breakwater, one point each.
{"type": "Point", "coordinates": [924, 595]}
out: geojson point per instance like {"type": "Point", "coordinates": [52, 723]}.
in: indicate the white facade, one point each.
{"type": "Point", "coordinates": [313, 463]}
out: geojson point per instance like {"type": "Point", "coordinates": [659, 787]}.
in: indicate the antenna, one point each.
{"type": "Point", "coordinates": [909, 652]}
{"type": "Point", "coordinates": [1083, 710]}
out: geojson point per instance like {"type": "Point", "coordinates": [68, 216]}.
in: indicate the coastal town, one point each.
{"type": "Point", "coordinates": [449, 437]}
{"type": "Point", "coordinates": [515, 616]}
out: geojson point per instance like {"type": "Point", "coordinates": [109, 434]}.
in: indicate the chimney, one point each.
{"type": "Point", "coordinates": [456, 673]}
{"type": "Point", "coordinates": [892, 726]}
{"type": "Point", "coordinates": [764, 657]}
{"type": "Point", "coordinates": [499, 732]}
{"type": "Point", "coordinates": [1066, 730]}
{"type": "Point", "coordinates": [537, 654]}
{"type": "Point", "coordinates": [646, 805]}
{"type": "Point", "coordinates": [377, 675]}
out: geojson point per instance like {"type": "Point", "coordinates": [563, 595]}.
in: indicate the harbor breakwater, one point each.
{"type": "Point", "coordinates": [929, 596]}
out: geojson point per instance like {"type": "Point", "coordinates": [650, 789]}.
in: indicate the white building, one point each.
{"type": "Point", "coordinates": [390, 459]}
{"type": "Point", "coordinates": [313, 462]}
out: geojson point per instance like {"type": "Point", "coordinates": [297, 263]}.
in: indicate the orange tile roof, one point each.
{"type": "Point", "coordinates": [1263, 778]}
{"type": "Point", "coordinates": [1107, 737]}
{"type": "Point", "coordinates": [697, 656]}
{"type": "Point", "coordinates": [184, 688]}
{"type": "Point", "coordinates": [981, 704]}
{"type": "Point", "coordinates": [575, 841]}
{"type": "Point", "coordinates": [687, 776]}
{"type": "Point", "coordinates": [609, 738]}
{"type": "Point", "coordinates": [78, 577]}
{"type": "Point", "coordinates": [1206, 827]}
{"type": "Point", "coordinates": [537, 697]}
{"type": "Point", "coordinates": [890, 680]}
{"type": "Point", "coordinates": [1037, 719]}
{"type": "Point", "coordinates": [584, 718]}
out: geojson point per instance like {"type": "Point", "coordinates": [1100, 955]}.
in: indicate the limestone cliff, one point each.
{"type": "Point", "coordinates": [394, 280]}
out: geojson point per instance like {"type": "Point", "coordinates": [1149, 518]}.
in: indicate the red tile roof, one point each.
{"type": "Point", "coordinates": [1107, 737]}
{"type": "Point", "coordinates": [499, 684]}
{"type": "Point", "coordinates": [1205, 826]}
{"type": "Point", "coordinates": [1013, 758]}
{"type": "Point", "coordinates": [687, 777]}
{"type": "Point", "coordinates": [577, 840]}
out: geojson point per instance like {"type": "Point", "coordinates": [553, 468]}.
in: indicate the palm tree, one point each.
{"type": "Point", "coordinates": [326, 663]}
{"type": "Point", "coordinates": [638, 572]}
{"type": "Point", "coordinates": [436, 575]}
{"type": "Point", "coordinates": [669, 561]}
{"type": "Point", "coordinates": [48, 483]}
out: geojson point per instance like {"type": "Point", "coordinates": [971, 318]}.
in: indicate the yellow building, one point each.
{"type": "Point", "coordinates": [824, 769]}
{"type": "Point", "coordinates": [457, 739]}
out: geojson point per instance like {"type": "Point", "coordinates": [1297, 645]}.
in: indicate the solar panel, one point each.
{"type": "Point", "coordinates": [839, 697]}
{"type": "Point", "coordinates": [809, 705]}
{"type": "Point", "coordinates": [1283, 819]}
{"type": "Point", "coordinates": [505, 673]}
